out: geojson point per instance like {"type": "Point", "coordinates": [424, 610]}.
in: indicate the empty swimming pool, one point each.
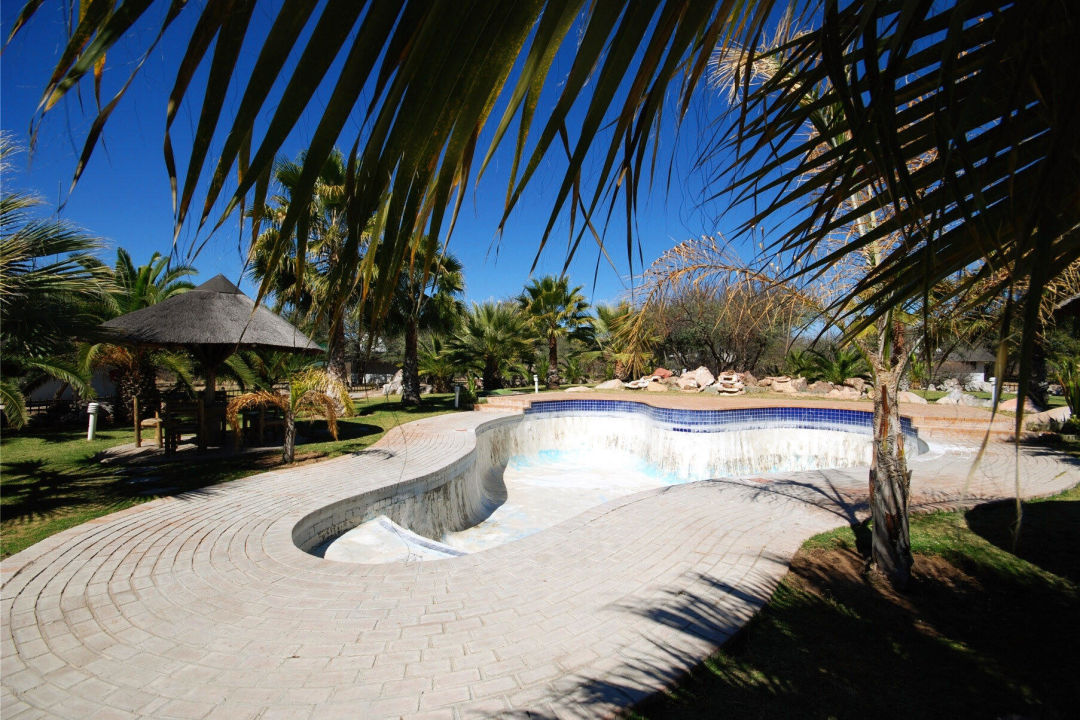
{"type": "Point", "coordinates": [562, 458]}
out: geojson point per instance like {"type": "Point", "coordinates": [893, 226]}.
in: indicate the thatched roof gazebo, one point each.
{"type": "Point", "coordinates": [212, 322]}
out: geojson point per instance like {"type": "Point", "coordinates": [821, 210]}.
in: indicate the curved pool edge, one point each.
{"type": "Point", "coordinates": [186, 601]}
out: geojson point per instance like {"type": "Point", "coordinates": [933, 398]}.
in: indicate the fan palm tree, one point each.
{"type": "Point", "coordinates": [554, 311]}
{"type": "Point", "coordinates": [492, 339]}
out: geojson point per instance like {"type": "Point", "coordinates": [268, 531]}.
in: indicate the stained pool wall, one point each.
{"type": "Point", "coordinates": [690, 444]}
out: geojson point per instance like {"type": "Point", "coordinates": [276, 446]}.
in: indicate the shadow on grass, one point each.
{"type": "Point", "coordinates": [1049, 533]}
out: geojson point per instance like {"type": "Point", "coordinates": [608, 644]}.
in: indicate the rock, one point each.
{"type": "Point", "coordinates": [766, 381]}
{"type": "Point", "coordinates": [661, 373]}
{"type": "Point", "coordinates": [656, 387]}
{"type": "Point", "coordinates": [729, 384]}
{"type": "Point", "coordinates": [950, 384]}
{"type": "Point", "coordinates": [701, 375]}
{"type": "Point", "coordinates": [799, 384]}
{"type": "Point", "coordinates": [615, 384]}
{"type": "Point", "coordinates": [638, 384]}
{"type": "Point", "coordinates": [857, 383]}
{"type": "Point", "coordinates": [426, 389]}
{"type": "Point", "coordinates": [783, 387]}
{"type": "Point", "coordinates": [910, 397]}
{"type": "Point", "coordinates": [754, 389]}
{"type": "Point", "coordinates": [687, 383]}
{"type": "Point", "coordinates": [711, 389]}
{"type": "Point", "coordinates": [1053, 419]}
{"type": "Point", "coordinates": [820, 387]}
{"type": "Point", "coordinates": [394, 386]}
{"type": "Point", "coordinates": [748, 379]}
{"type": "Point", "coordinates": [671, 381]}
{"type": "Point", "coordinates": [958, 397]}
{"type": "Point", "coordinates": [1010, 405]}
{"type": "Point", "coordinates": [843, 393]}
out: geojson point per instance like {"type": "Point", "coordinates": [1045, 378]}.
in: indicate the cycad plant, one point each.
{"type": "Point", "coordinates": [838, 364]}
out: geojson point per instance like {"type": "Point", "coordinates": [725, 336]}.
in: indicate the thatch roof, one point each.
{"type": "Point", "coordinates": [215, 313]}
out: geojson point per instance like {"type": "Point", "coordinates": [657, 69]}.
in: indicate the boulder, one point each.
{"type": "Point", "coordinates": [615, 384]}
{"type": "Point", "coordinates": [713, 389]}
{"type": "Point", "coordinates": [687, 383]}
{"type": "Point", "coordinates": [979, 386]}
{"type": "Point", "coordinates": [754, 389]}
{"type": "Point", "coordinates": [799, 384]}
{"type": "Point", "coordinates": [1053, 419]}
{"type": "Point", "coordinates": [843, 392]}
{"type": "Point", "coordinates": [784, 386]}
{"type": "Point", "coordinates": [656, 387]}
{"type": "Point", "coordinates": [820, 387]}
{"type": "Point", "coordinates": [910, 397]}
{"type": "Point", "coordinates": [958, 397]}
{"type": "Point", "coordinates": [578, 388]}
{"type": "Point", "coordinates": [767, 381]}
{"type": "Point", "coordinates": [1010, 405]}
{"type": "Point", "coordinates": [748, 378]}
{"type": "Point", "coordinates": [857, 383]}
{"type": "Point", "coordinates": [661, 373]}
{"type": "Point", "coordinates": [950, 384]}
{"type": "Point", "coordinates": [701, 376]}
{"type": "Point", "coordinates": [638, 384]}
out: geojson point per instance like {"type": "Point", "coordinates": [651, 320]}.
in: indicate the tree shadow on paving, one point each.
{"type": "Point", "coordinates": [1049, 533]}
{"type": "Point", "coordinates": [822, 494]}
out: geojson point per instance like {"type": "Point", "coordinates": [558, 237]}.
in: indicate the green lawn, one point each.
{"type": "Point", "coordinates": [984, 631]}
{"type": "Point", "coordinates": [52, 480]}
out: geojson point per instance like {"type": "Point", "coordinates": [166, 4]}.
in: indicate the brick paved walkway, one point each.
{"type": "Point", "coordinates": [200, 606]}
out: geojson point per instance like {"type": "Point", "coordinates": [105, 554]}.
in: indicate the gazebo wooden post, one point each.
{"type": "Point", "coordinates": [138, 424]}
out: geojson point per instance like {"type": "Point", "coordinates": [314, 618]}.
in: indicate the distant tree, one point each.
{"type": "Point", "coordinates": [427, 298]}
{"type": "Point", "coordinates": [555, 311]}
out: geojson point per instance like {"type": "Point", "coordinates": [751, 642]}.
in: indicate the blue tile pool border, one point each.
{"type": "Point", "coordinates": [708, 421]}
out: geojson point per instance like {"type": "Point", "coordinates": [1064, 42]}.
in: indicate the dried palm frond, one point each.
{"type": "Point", "coordinates": [250, 401]}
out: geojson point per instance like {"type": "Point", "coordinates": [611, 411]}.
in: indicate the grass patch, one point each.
{"type": "Point", "coordinates": [983, 632]}
{"type": "Point", "coordinates": [53, 480]}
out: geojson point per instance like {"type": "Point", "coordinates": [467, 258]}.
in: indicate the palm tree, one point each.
{"type": "Point", "coordinates": [301, 269]}
{"type": "Point", "coordinates": [554, 311]}
{"type": "Point", "coordinates": [492, 339]}
{"type": "Point", "coordinates": [135, 369]}
{"type": "Point", "coordinates": [427, 298]}
{"type": "Point", "coordinates": [310, 391]}
{"type": "Point", "coordinates": [52, 289]}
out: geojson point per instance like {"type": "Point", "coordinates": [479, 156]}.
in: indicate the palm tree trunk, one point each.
{"type": "Point", "coordinates": [410, 373]}
{"type": "Point", "coordinates": [553, 362]}
{"type": "Point", "coordinates": [890, 483]}
{"type": "Point", "coordinates": [288, 448]}
{"type": "Point", "coordinates": [491, 375]}
{"type": "Point", "coordinates": [335, 366]}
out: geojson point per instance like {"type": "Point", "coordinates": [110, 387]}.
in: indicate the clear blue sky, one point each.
{"type": "Point", "coordinates": [123, 196]}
